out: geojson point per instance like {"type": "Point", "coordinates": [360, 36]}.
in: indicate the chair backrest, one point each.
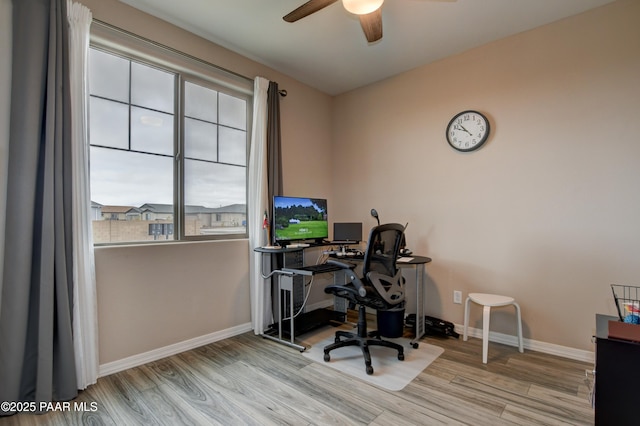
{"type": "Point", "coordinates": [379, 268]}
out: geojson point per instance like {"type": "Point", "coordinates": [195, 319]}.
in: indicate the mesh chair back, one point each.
{"type": "Point", "coordinates": [383, 248]}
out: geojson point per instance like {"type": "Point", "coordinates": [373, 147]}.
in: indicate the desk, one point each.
{"type": "Point", "coordinates": [286, 276]}
{"type": "Point", "coordinates": [285, 283]}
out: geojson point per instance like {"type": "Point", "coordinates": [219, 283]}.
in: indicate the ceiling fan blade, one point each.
{"type": "Point", "coordinates": [372, 25]}
{"type": "Point", "coordinates": [307, 9]}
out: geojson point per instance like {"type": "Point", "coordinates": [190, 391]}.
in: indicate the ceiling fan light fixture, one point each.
{"type": "Point", "coordinates": [362, 7]}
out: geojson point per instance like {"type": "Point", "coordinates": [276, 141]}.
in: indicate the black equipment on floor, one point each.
{"type": "Point", "coordinates": [433, 326]}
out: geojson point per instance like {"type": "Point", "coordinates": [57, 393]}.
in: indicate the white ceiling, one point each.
{"type": "Point", "coordinates": [327, 50]}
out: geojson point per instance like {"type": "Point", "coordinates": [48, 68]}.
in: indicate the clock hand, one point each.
{"type": "Point", "coordinates": [462, 127]}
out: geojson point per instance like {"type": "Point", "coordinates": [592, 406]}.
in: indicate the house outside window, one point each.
{"type": "Point", "coordinates": [168, 151]}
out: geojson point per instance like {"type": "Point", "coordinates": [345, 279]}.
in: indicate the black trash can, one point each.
{"type": "Point", "coordinates": [391, 322]}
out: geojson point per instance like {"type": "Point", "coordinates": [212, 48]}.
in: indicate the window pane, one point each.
{"type": "Point", "coordinates": [200, 140]}
{"type": "Point", "coordinates": [233, 146]}
{"type": "Point", "coordinates": [132, 192]}
{"type": "Point", "coordinates": [152, 88]}
{"type": "Point", "coordinates": [151, 131]}
{"type": "Point", "coordinates": [133, 158]}
{"type": "Point", "coordinates": [108, 123]}
{"type": "Point", "coordinates": [233, 112]}
{"type": "Point", "coordinates": [108, 76]}
{"type": "Point", "coordinates": [215, 197]}
{"type": "Point", "coordinates": [200, 102]}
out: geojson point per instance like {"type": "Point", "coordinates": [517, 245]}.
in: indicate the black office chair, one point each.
{"type": "Point", "coordinates": [381, 287]}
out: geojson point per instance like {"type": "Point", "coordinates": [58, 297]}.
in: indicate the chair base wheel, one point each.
{"type": "Point", "coordinates": [369, 370]}
{"type": "Point", "coordinates": [415, 345]}
{"type": "Point", "coordinates": [327, 357]}
{"type": "Point", "coordinates": [401, 357]}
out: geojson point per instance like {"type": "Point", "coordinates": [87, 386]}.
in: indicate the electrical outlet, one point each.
{"type": "Point", "coordinates": [457, 296]}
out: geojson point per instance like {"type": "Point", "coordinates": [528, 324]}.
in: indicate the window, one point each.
{"type": "Point", "coordinates": [168, 152]}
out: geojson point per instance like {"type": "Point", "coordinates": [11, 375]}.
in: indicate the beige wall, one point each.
{"type": "Point", "coordinates": [154, 296]}
{"type": "Point", "coordinates": [547, 211]}
{"type": "Point", "coordinates": [150, 297]}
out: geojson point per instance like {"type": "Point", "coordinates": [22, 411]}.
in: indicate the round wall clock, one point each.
{"type": "Point", "coordinates": [467, 131]}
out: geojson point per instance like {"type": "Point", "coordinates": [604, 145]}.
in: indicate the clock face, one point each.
{"type": "Point", "coordinates": [467, 131]}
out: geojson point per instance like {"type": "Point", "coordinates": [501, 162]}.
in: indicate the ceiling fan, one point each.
{"type": "Point", "coordinates": [369, 12]}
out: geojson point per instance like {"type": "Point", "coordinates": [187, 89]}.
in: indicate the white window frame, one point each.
{"type": "Point", "coordinates": [188, 68]}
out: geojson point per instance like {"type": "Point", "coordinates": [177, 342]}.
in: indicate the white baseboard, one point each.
{"type": "Point", "coordinates": [547, 348]}
{"type": "Point", "coordinates": [506, 339]}
{"type": "Point", "coordinates": [176, 348]}
{"type": "Point", "coordinates": [156, 354]}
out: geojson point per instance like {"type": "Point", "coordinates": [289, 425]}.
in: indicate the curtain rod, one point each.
{"type": "Point", "coordinates": [282, 92]}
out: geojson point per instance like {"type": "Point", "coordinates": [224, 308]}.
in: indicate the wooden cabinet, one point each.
{"type": "Point", "coordinates": [617, 377]}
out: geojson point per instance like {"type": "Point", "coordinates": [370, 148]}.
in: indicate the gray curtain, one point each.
{"type": "Point", "coordinates": [274, 156]}
{"type": "Point", "coordinates": [274, 167]}
{"type": "Point", "coordinates": [36, 348]}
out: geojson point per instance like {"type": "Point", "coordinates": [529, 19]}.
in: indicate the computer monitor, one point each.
{"type": "Point", "coordinates": [347, 232]}
{"type": "Point", "coordinates": [299, 218]}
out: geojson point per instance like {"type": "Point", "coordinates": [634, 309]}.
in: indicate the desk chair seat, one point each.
{"type": "Point", "coordinates": [381, 287]}
{"type": "Point", "coordinates": [489, 301]}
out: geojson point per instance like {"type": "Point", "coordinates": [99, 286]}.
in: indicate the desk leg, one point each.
{"type": "Point", "coordinates": [292, 333]}
{"type": "Point", "coordinates": [420, 328]}
{"type": "Point", "coordinates": [285, 283]}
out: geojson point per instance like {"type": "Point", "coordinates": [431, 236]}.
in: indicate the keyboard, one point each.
{"type": "Point", "coordinates": [313, 269]}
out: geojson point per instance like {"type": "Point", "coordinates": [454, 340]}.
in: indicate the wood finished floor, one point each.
{"type": "Point", "coordinates": [248, 380]}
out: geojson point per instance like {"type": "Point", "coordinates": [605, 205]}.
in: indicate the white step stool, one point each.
{"type": "Point", "coordinates": [489, 301]}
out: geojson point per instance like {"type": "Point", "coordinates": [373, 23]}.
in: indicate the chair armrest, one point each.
{"type": "Point", "coordinates": [351, 275]}
{"type": "Point", "coordinates": [340, 290]}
